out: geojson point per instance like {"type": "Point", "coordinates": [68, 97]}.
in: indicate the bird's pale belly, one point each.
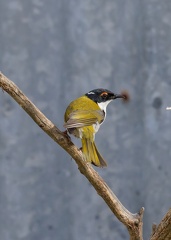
{"type": "Point", "coordinates": [87, 132]}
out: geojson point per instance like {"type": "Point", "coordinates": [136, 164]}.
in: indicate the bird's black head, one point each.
{"type": "Point", "coordinates": [102, 95]}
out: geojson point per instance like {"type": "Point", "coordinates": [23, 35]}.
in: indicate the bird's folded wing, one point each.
{"type": "Point", "coordinates": [81, 118]}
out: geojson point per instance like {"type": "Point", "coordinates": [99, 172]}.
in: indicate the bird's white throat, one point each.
{"type": "Point", "coordinates": [103, 105]}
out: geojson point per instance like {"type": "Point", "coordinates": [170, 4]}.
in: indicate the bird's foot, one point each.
{"type": "Point", "coordinates": [66, 134]}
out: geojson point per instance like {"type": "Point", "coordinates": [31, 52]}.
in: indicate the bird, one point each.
{"type": "Point", "coordinates": [83, 118]}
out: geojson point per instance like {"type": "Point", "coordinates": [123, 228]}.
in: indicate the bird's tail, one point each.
{"type": "Point", "coordinates": [91, 153]}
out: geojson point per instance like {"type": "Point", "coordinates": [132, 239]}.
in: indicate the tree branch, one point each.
{"type": "Point", "coordinates": [133, 222]}
{"type": "Point", "coordinates": [163, 231]}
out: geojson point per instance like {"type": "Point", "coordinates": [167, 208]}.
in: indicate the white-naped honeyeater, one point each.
{"type": "Point", "coordinates": [83, 118]}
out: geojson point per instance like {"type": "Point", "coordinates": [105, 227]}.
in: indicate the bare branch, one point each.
{"type": "Point", "coordinates": [133, 222]}
{"type": "Point", "coordinates": [163, 230]}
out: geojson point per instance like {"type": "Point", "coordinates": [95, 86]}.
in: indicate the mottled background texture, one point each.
{"type": "Point", "coordinates": [55, 51]}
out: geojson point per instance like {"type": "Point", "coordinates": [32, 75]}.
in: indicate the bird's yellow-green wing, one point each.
{"type": "Point", "coordinates": [82, 118]}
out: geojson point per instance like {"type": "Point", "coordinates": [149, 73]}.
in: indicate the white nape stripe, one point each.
{"type": "Point", "coordinates": [103, 105]}
{"type": "Point", "coordinates": [90, 93]}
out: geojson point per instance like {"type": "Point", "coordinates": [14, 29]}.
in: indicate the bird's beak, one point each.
{"type": "Point", "coordinates": [118, 96]}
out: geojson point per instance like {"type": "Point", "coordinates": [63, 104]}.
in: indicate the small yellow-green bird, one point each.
{"type": "Point", "coordinates": [83, 118]}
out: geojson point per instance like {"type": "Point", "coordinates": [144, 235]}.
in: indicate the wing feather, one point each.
{"type": "Point", "coordinates": [81, 118]}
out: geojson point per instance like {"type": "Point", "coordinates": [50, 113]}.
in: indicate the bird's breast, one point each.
{"type": "Point", "coordinates": [96, 127]}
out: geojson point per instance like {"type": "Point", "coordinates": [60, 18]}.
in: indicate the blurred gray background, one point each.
{"type": "Point", "coordinates": [55, 51]}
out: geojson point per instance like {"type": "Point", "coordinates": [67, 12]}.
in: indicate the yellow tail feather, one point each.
{"type": "Point", "coordinates": [91, 153]}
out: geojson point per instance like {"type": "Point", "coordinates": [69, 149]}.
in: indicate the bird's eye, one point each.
{"type": "Point", "coordinates": [104, 95]}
